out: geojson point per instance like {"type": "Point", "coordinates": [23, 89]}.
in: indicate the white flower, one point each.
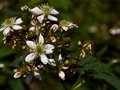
{"type": "Point", "coordinates": [67, 25]}
{"type": "Point", "coordinates": [10, 25]}
{"type": "Point", "coordinates": [61, 75]}
{"type": "Point", "coordinates": [44, 11]}
{"type": "Point", "coordinates": [39, 50]}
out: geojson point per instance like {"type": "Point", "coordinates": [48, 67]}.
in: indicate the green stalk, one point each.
{"type": "Point", "coordinates": [76, 84]}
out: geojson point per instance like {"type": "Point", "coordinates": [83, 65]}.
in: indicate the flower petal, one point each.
{"type": "Point", "coordinates": [6, 31]}
{"type": "Point", "coordinates": [61, 75]}
{"type": "Point", "coordinates": [53, 11]}
{"type": "Point", "coordinates": [48, 48]}
{"type": "Point", "coordinates": [17, 74]}
{"type": "Point", "coordinates": [32, 29]}
{"type": "Point", "coordinates": [40, 18]}
{"type": "Point", "coordinates": [65, 28]}
{"type": "Point", "coordinates": [41, 39]}
{"type": "Point", "coordinates": [30, 57]}
{"type": "Point", "coordinates": [36, 10]}
{"type": "Point", "coordinates": [16, 27]}
{"type": "Point", "coordinates": [44, 58]}
{"type": "Point", "coordinates": [52, 18]}
{"type": "Point", "coordinates": [18, 21]}
{"type": "Point", "coordinates": [31, 44]}
{"type": "Point", "coordinates": [3, 28]}
{"type": "Point", "coordinates": [60, 58]}
{"type": "Point", "coordinates": [52, 62]}
{"type": "Point", "coordinates": [37, 75]}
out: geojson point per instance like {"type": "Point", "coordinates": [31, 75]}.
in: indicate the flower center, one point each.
{"type": "Point", "coordinates": [63, 23]}
{"type": "Point", "coordinates": [46, 10]}
{"type": "Point", "coordinates": [39, 49]}
{"type": "Point", "coordinates": [9, 22]}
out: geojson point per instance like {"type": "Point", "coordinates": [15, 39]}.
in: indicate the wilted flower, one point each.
{"type": "Point", "coordinates": [67, 25]}
{"type": "Point", "coordinates": [45, 11]}
{"type": "Point", "coordinates": [54, 27]}
{"type": "Point", "coordinates": [39, 49]}
{"type": "Point", "coordinates": [86, 49]}
{"type": "Point", "coordinates": [10, 25]}
{"type": "Point", "coordinates": [34, 26]}
{"type": "Point", "coordinates": [53, 39]}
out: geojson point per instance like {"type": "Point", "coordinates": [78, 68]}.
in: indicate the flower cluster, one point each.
{"type": "Point", "coordinates": [43, 43]}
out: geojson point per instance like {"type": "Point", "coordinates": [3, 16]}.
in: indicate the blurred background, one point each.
{"type": "Point", "coordinates": [99, 24]}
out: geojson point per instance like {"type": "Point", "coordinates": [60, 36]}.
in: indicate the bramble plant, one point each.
{"type": "Point", "coordinates": [46, 48]}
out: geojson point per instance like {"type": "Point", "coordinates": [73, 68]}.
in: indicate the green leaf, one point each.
{"type": "Point", "coordinates": [72, 55]}
{"type": "Point", "coordinates": [2, 79]}
{"type": "Point", "coordinates": [90, 63]}
{"type": "Point", "coordinates": [17, 61]}
{"type": "Point", "coordinates": [16, 85]}
{"type": "Point", "coordinates": [5, 51]}
{"type": "Point", "coordinates": [114, 81]}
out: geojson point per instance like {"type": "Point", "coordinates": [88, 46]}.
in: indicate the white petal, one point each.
{"type": "Point", "coordinates": [6, 31]}
{"type": "Point", "coordinates": [28, 79]}
{"type": "Point", "coordinates": [16, 27]}
{"type": "Point", "coordinates": [31, 44]}
{"type": "Point", "coordinates": [65, 28]}
{"type": "Point", "coordinates": [48, 48]}
{"type": "Point", "coordinates": [40, 18]}
{"type": "Point", "coordinates": [32, 29]}
{"type": "Point", "coordinates": [41, 39]}
{"type": "Point", "coordinates": [52, 62]}
{"type": "Point", "coordinates": [44, 58]}
{"type": "Point", "coordinates": [17, 74]}
{"type": "Point", "coordinates": [30, 57]}
{"type": "Point", "coordinates": [37, 75]}
{"type": "Point", "coordinates": [65, 67]}
{"type": "Point", "coordinates": [36, 10]}
{"type": "Point", "coordinates": [3, 28]}
{"type": "Point", "coordinates": [61, 75]}
{"type": "Point", "coordinates": [60, 57]}
{"type": "Point", "coordinates": [52, 18]}
{"type": "Point", "coordinates": [53, 11]}
{"type": "Point", "coordinates": [18, 21]}
{"type": "Point", "coordinates": [72, 25]}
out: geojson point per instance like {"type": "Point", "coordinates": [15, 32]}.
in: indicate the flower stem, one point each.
{"type": "Point", "coordinates": [76, 83]}
{"type": "Point", "coordinates": [63, 84]}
